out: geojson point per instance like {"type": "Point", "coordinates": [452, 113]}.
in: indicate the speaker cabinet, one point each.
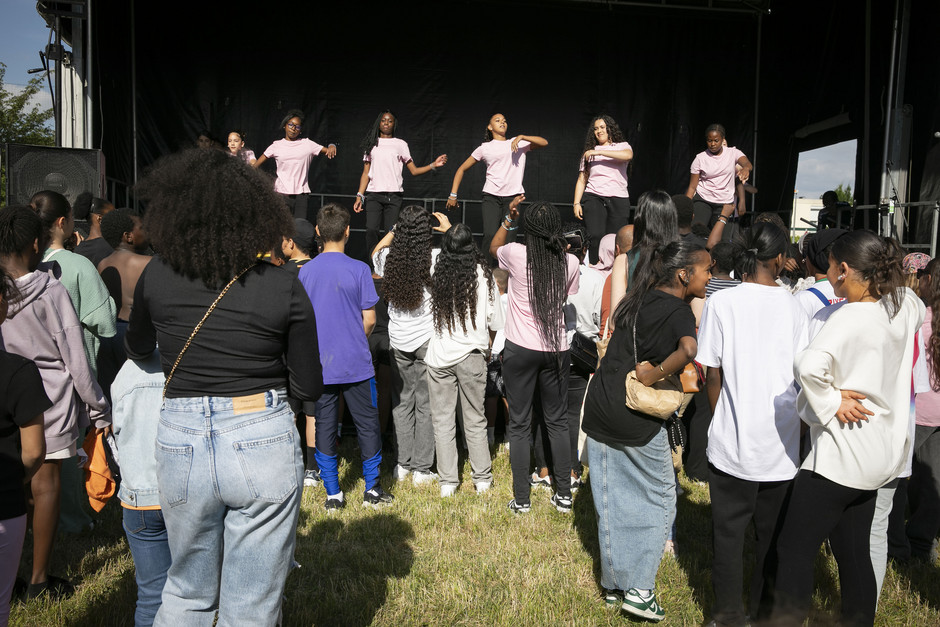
{"type": "Point", "coordinates": [69, 171]}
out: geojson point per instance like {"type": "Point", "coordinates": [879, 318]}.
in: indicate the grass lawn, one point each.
{"type": "Point", "coordinates": [460, 561]}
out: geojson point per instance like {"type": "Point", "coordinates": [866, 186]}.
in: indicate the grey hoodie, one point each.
{"type": "Point", "coordinates": [42, 326]}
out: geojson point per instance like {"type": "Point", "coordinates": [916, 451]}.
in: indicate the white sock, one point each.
{"type": "Point", "coordinates": [644, 593]}
{"type": "Point", "coordinates": [336, 497]}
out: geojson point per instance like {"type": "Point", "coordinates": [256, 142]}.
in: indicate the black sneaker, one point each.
{"type": "Point", "coordinates": [562, 503]}
{"type": "Point", "coordinates": [519, 508]}
{"type": "Point", "coordinates": [334, 503]}
{"type": "Point", "coordinates": [56, 587]}
{"type": "Point", "coordinates": [377, 497]}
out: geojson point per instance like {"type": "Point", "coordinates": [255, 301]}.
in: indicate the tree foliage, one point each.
{"type": "Point", "coordinates": [844, 192]}
{"type": "Point", "coordinates": [20, 123]}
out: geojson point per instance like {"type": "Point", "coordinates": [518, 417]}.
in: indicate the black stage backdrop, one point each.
{"type": "Point", "coordinates": [663, 73]}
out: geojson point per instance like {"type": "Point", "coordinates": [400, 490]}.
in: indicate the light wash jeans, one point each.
{"type": "Point", "coordinates": [146, 537]}
{"type": "Point", "coordinates": [414, 432]}
{"type": "Point", "coordinates": [634, 492]}
{"type": "Point", "coordinates": [229, 480]}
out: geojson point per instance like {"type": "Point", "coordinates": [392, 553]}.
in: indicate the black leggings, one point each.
{"type": "Point", "coordinates": [820, 508]}
{"type": "Point", "coordinates": [602, 216]}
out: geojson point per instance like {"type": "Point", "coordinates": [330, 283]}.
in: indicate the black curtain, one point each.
{"type": "Point", "coordinates": [663, 73]}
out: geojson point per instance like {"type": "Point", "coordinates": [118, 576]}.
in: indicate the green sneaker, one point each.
{"type": "Point", "coordinates": [647, 608]}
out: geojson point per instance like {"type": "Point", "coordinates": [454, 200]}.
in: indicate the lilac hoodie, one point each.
{"type": "Point", "coordinates": [42, 326]}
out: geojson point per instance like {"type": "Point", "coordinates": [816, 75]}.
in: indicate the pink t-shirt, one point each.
{"type": "Point", "coordinates": [607, 176]}
{"type": "Point", "coordinates": [504, 168]}
{"type": "Point", "coordinates": [387, 158]}
{"type": "Point", "coordinates": [716, 175]}
{"type": "Point", "coordinates": [927, 404]}
{"type": "Point", "coordinates": [293, 164]}
{"type": "Point", "coordinates": [521, 327]}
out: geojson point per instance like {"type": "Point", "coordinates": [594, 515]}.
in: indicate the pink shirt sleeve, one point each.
{"type": "Point", "coordinates": [478, 153]}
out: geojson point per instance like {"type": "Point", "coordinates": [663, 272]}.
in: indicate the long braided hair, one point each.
{"type": "Point", "coordinates": [546, 269]}
{"type": "Point", "coordinates": [454, 286]}
{"type": "Point", "coordinates": [408, 265]}
{"type": "Point", "coordinates": [371, 139]}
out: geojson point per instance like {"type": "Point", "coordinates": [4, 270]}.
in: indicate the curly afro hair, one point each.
{"type": "Point", "coordinates": [408, 265]}
{"type": "Point", "coordinates": [209, 216]}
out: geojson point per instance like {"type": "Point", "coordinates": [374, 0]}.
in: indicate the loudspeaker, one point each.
{"type": "Point", "coordinates": [69, 171]}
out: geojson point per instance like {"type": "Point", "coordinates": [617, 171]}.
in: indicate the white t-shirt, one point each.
{"type": "Point", "coordinates": [607, 176]}
{"type": "Point", "coordinates": [293, 164]}
{"type": "Point", "coordinates": [860, 348]}
{"type": "Point", "coordinates": [452, 347]}
{"type": "Point", "coordinates": [499, 340]}
{"type": "Point", "coordinates": [810, 302]}
{"type": "Point", "coordinates": [504, 168]}
{"type": "Point", "coordinates": [752, 332]}
{"type": "Point", "coordinates": [387, 159]}
{"type": "Point", "coordinates": [716, 175]}
{"type": "Point", "coordinates": [407, 330]}
{"type": "Point", "coordinates": [583, 308]}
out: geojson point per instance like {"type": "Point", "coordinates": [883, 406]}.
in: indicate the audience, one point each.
{"type": "Point", "coordinates": [205, 429]}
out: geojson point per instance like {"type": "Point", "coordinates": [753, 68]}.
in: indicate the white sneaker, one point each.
{"type": "Point", "coordinates": [448, 490]}
{"type": "Point", "coordinates": [401, 473]}
{"type": "Point", "coordinates": [482, 486]}
{"type": "Point", "coordinates": [419, 477]}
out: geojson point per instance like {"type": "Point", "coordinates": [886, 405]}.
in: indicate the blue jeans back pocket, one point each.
{"type": "Point", "coordinates": [268, 467]}
{"type": "Point", "coordinates": [174, 464]}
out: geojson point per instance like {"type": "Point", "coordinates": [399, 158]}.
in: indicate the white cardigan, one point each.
{"type": "Point", "coordinates": [860, 349]}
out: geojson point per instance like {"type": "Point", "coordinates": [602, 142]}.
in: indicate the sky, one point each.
{"type": "Point", "coordinates": [824, 168]}
{"type": "Point", "coordinates": [22, 35]}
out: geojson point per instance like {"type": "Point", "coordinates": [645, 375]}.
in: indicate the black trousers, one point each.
{"type": "Point", "coordinates": [523, 369]}
{"type": "Point", "coordinates": [382, 210]}
{"type": "Point", "coordinates": [603, 215]}
{"type": "Point", "coordinates": [820, 508]}
{"type": "Point", "coordinates": [696, 419]}
{"type": "Point", "coordinates": [494, 209]}
{"type": "Point", "coordinates": [735, 503]}
{"type": "Point", "coordinates": [705, 212]}
{"type": "Point", "coordinates": [577, 387]}
{"type": "Point", "coordinates": [299, 205]}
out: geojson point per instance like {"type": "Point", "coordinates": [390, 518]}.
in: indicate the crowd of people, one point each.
{"type": "Point", "coordinates": [217, 362]}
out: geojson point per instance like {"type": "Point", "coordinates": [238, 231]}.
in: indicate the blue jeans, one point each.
{"type": "Point", "coordinates": [230, 474]}
{"type": "Point", "coordinates": [634, 492]}
{"type": "Point", "coordinates": [146, 536]}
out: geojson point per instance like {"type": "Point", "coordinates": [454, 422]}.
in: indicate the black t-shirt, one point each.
{"type": "Point", "coordinates": [663, 319]}
{"type": "Point", "coordinates": [94, 249]}
{"type": "Point", "coordinates": [24, 398]}
{"type": "Point", "coordinates": [261, 336]}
